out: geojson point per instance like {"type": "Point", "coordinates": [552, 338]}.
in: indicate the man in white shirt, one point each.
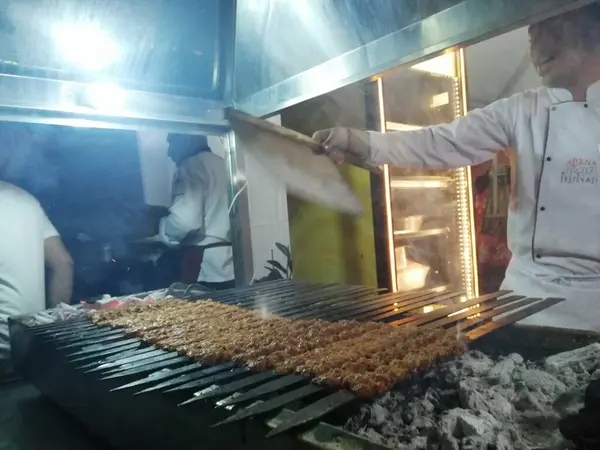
{"type": "Point", "coordinates": [554, 227]}
{"type": "Point", "coordinates": [28, 244]}
{"type": "Point", "coordinates": [198, 219]}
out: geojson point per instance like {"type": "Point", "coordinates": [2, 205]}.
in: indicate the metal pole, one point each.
{"type": "Point", "coordinates": [239, 211]}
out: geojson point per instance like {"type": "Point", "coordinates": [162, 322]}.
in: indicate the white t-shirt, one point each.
{"type": "Point", "coordinates": [23, 228]}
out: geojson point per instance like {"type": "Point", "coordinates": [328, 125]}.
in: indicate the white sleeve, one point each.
{"type": "Point", "coordinates": [48, 229]}
{"type": "Point", "coordinates": [471, 139]}
{"type": "Point", "coordinates": [186, 213]}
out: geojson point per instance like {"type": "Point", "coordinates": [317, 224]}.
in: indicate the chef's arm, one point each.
{"type": "Point", "coordinates": [60, 265]}
{"type": "Point", "coordinates": [186, 215]}
{"type": "Point", "coordinates": [471, 139]}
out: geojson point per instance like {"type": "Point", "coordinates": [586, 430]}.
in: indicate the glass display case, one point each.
{"type": "Point", "coordinates": [428, 212]}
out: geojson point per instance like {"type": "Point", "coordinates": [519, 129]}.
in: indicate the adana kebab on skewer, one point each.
{"type": "Point", "coordinates": [365, 357]}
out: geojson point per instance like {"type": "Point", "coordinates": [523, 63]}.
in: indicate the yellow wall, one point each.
{"type": "Point", "coordinates": [328, 247]}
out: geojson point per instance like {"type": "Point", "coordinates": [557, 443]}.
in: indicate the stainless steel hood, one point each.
{"type": "Point", "coordinates": [290, 51]}
{"type": "Point", "coordinates": [155, 63]}
{"type": "Point", "coordinates": [117, 63]}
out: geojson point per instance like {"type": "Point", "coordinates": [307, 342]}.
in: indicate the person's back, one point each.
{"type": "Point", "coordinates": [209, 171]}
{"type": "Point", "coordinates": [23, 229]}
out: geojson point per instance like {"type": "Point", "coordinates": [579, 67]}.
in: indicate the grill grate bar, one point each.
{"type": "Point", "coordinates": [207, 381]}
{"type": "Point", "coordinates": [314, 411]}
{"type": "Point", "coordinates": [232, 387]}
{"type": "Point", "coordinates": [127, 362]}
{"type": "Point", "coordinates": [99, 348]}
{"type": "Point", "coordinates": [303, 301]}
{"type": "Point", "coordinates": [114, 356]}
{"type": "Point", "coordinates": [393, 311]}
{"type": "Point", "coordinates": [187, 378]}
{"type": "Point", "coordinates": [377, 305]}
{"type": "Point", "coordinates": [92, 341]}
{"type": "Point", "coordinates": [316, 308]}
{"type": "Point", "coordinates": [148, 368]}
{"type": "Point", "coordinates": [492, 307]}
{"type": "Point", "coordinates": [273, 404]}
{"type": "Point", "coordinates": [512, 318]}
{"type": "Point", "coordinates": [114, 351]}
{"type": "Point", "coordinates": [265, 389]}
{"type": "Point", "coordinates": [484, 317]}
{"type": "Point", "coordinates": [161, 375]}
{"type": "Point", "coordinates": [52, 327]}
{"type": "Point", "coordinates": [443, 312]}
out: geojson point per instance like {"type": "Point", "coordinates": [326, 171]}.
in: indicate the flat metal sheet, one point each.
{"type": "Point", "coordinates": [273, 404]}
{"type": "Point", "coordinates": [189, 377]}
{"type": "Point", "coordinates": [148, 368]}
{"type": "Point", "coordinates": [265, 389]}
{"type": "Point", "coordinates": [314, 178]}
{"type": "Point", "coordinates": [161, 375]}
{"type": "Point", "coordinates": [315, 411]}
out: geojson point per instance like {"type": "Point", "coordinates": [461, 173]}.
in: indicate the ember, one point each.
{"type": "Point", "coordinates": [474, 402]}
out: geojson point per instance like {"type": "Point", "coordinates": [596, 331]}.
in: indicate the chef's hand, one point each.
{"type": "Point", "coordinates": [344, 143]}
{"type": "Point", "coordinates": [163, 236]}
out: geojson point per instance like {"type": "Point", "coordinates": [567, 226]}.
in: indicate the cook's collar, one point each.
{"type": "Point", "coordinates": [564, 95]}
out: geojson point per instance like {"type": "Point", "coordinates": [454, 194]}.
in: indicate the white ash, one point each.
{"type": "Point", "coordinates": [476, 403]}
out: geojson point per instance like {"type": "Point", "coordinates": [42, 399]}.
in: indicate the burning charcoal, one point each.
{"type": "Point", "coordinates": [418, 443]}
{"type": "Point", "coordinates": [491, 401]}
{"type": "Point", "coordinates": [476, 363]}
{"type": "Point", "coordinates": [542, 382]}
{"type": "Point", "coordinates": [481, 424]}
{"type": "Point", "coordinates": [586, 358]}
{"type": "Point", "coordinates": [378, 414]}
{"type": "Point", "coordinates": [501, 372]}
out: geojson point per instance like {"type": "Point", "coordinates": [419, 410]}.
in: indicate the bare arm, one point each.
{"type": "Point", "coordinates": [59, 263]}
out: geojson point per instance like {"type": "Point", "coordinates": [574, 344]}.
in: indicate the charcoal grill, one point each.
{"type": "Point", "coordinates": [138, 396]}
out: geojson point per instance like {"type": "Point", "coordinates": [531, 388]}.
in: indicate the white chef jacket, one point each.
{"type": "Point", "coordinates": [201, 205]}
{"type": "Point", "coordinates": [23, 229]}
{"type": "Point", "coordinates": [554, 228]}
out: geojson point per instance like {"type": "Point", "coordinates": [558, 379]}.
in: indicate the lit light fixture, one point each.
{"type": "Point", "coordinates": [427, 309]}
{"type": "Point", "coordinates": [419, 183]}
{"type": "Point", "coordinates": [86, 46]}
{"type": "Point", "coordinates": [106, 97]}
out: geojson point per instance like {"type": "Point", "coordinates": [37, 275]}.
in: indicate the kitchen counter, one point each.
{"type": "Point", "coordinates": [28, 421]}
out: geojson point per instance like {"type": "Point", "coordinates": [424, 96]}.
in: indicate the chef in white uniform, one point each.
{"type": "Point", "coordinates": [198, 219]}
{"type": "Point", "coordinates": [28, 244]}
{"type": "Point", "coordinates": [554, 226]}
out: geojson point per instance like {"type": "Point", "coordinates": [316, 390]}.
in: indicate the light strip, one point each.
{"type": "Point", "coordinates": [418, 184]}
{"type": "Point", "coordinates": [387, 194]}
{"type": "Point", "coordinates": [463, 83]}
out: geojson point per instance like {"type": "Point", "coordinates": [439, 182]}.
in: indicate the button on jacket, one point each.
{"type": "Point", "coordinates": [554, 226]}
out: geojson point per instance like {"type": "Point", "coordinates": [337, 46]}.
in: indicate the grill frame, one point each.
{"type": "Point", "coordinates": [39, 359]}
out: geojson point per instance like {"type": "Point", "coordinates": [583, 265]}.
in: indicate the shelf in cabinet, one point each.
{"type": "Point", "coordinates": [404, 235]}
{"type": "Point", "coordinates": [420, 182]}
